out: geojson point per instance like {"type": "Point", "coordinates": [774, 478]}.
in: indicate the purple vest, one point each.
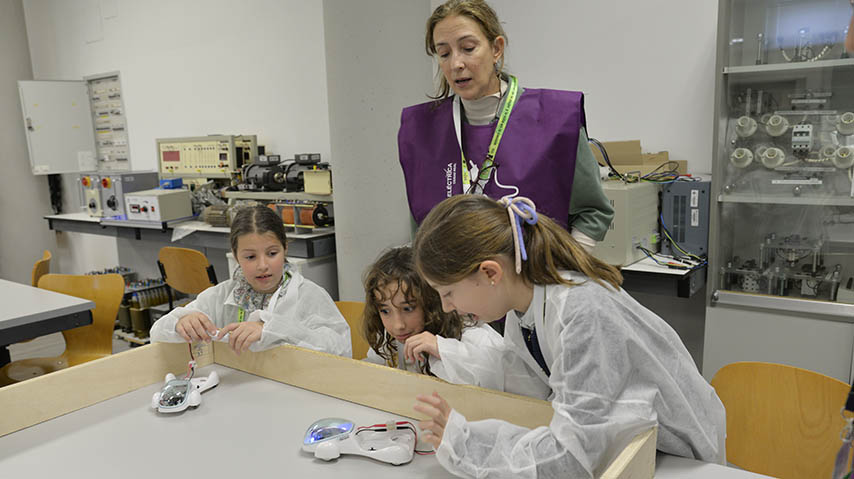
{"type": "Point", "coordinates": [536, 153]}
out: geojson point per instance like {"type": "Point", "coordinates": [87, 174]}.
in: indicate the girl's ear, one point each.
{"type": "Point", "coordinates": [492, 270]}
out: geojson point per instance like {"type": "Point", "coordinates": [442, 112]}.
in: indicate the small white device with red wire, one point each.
{"type": "Point", "coordinates": [392, 442]}
{"type": "Point", "coordinates": [179, 394]}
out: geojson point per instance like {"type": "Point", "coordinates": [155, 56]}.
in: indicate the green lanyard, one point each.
{"type": "Point", "coordinates": [486, 169]}
{"type": "Point", "coordinates": [241, 313]}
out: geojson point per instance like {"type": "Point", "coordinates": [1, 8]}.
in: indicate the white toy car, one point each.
{"type": "Point", "coordinates": [179, 394]}
{"type": "Point", "coordinates": [328, 438]}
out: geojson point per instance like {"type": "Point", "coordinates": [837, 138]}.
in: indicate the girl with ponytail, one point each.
{"type": "Point", "coordinates": [613, 367]}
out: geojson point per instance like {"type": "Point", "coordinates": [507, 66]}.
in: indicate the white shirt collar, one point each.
{"type": "Point", "coordinates": [482, 111]}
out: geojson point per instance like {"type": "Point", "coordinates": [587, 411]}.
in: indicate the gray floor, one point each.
{"type": "Point", "coordinates": [51, 345]}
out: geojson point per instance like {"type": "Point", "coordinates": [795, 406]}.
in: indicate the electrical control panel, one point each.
{"type": "Point", "coordinates": [90, 194]}
{"type": "Point", "coordinates": [158, 205]}
{"type": "Point", "coordinates": [215, 156]}
{"type": "Point", "coordinates": [109, 121]}
{"type": "Point", "coordinates": [685, 217]}
{"type": "Point", "coordinates": [115, 187]}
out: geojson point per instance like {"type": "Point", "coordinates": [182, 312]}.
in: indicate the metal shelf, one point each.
{"type": "Point", "coordinates": [787, 200]}
{"type": "Point", "coordinates": [809, 307]}
{"type": "Point", "coordinates": [789, 67]}
{"type": "Point", "coordinates": [308, 244]}
{"type": "Point", "coordinates": [276, 195]}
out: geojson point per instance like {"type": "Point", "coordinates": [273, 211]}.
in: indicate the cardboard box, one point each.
{"type": "Point", "coordinates": [627, 158]}
{"type": "Point", "coordinates": [620, 153]}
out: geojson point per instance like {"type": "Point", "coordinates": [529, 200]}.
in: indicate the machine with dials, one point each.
{"type": "Point", "coordinates": [214, 156]}
{"type": "Point", "coordinates": [104, 194]}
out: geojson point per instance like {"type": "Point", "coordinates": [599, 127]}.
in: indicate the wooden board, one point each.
{"type": "Point", "coordinates": [46, 397]}
{"type": "Point", "coordinates": [381, 387]}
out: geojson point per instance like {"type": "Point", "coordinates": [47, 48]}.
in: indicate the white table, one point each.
{"type": "Point", "coordinates": [245, 425]}
{"type": "Point", "coordinates": [30, 312]}
{"type": "Point", "coordinates": [674, 467]}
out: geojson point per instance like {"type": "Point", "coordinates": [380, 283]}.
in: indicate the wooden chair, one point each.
{"type": "Point", "coordinates": [82, 344]}
{"type": "Point", "coordinates": [41, 268]}
{"type": "Point", "coordinates": [352, 312]}
{"type": "Point", "coordinates": [185, 270]}
{"type": "Point", "coordinates": [782, 421]}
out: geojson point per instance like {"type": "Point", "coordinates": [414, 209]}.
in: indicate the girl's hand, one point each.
{"type": "Point", "coordinates": [242, 334]}
{"type": "Point", "coordinates": [417, 344]}
{"type": "Point", "coordinates": [195, 326]}
{"type": "Point", "coordinates": [438, 410]}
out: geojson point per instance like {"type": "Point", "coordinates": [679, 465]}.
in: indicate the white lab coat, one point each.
{"type": "Point", "coordinates": [479, 358]}
{"type": "Point", "coordinates": [616, 370]}
{"type": "Point", "coordinates": [304, 316]}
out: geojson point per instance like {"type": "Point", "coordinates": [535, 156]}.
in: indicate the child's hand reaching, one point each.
{"type": "Point", "coordinates": [241, 335]}
{"type": "Point", "coordinates": [438, 410]}
{"type": "Point", "coordinates": [417, 344]}
{"type": "Point", "coordinates": [195, 326]}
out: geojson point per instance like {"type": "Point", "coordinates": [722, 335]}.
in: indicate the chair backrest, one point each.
{"type": "Point", "coordinates": [186, 270]}
{"type": "Point", "coordinates": [352, 312]}
{"type": "Point", "coordinates": [41, 268]}
{"type": "Point", "coordinates": [106, 291]}
{"type": "Point", "coordinates": [782, 421]}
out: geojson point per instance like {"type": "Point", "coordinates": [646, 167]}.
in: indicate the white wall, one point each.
{"type": "Point", "coordinates": [188, 68]}
{"type": "Point", "coordinates": [646, 68]}
{"type": "Point", "coordinates": [195, 67]}
{"type": "Point", "coordinates": [376, 64]}
{"type": "Point", "coordinates": [23, 232]}
{"type": "Point", "coordinates": [333, 76]}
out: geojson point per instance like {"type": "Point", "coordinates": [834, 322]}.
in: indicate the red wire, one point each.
{"type": "Point", "coordinates": [190, 364]}
{"type": "Point", "coordinates": [398, 423]}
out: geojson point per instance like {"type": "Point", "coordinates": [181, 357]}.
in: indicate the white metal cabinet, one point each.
{"type": "Point", "coordinates": [58, 124]}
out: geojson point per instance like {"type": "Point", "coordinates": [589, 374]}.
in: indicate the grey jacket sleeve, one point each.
{"type": "Point", "coordinates": [590, 210]}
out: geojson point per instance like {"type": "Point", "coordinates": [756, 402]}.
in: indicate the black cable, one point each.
{"type": "Point", "coordinates": [606, 157]}
{"type": "Point", "coordinates": [54, 184]}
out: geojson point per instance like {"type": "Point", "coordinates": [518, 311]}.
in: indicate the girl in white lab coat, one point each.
{"type": "Point", "coordinates": [614, 368]}
{"type": "Point", "coordinates": [266, 303]}
{"type": "Point", "coordinates": [406, 328]}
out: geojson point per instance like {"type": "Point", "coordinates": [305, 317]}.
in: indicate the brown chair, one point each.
{"type": "Point", "coordinates": [185, 270]}
{"type": "Point", "coordinates": [41, 268]}
{"type": "Point", "coordinates": [352, 312]}
{"type": "Point", "coordinates": [82, 344]}
{"type": "Point", "coordinates": [782, 421]}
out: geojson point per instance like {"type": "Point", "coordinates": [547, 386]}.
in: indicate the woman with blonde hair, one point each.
{"type": "Point", "coordinates": [484, 133]}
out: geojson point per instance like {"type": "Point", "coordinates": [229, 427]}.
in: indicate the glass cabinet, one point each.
{"type": "Point", "coordinates": [782, 245]}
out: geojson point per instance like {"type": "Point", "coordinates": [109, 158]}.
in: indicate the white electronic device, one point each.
{"type": "Point", "coordinates": [328, 438]}
{"type": "Point", "coordinates": [115, 186]}
{"type": "Point", "coordinates": [214, 156]}
{"type": "Point", "coordinates": [635, 223]}
{"type": "Point", "coordinates": [158, 205]}
{"type": "Point", "coordinates": [179, 394]}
